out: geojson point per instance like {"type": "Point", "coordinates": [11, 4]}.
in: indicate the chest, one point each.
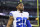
{"type": "Point", "coordinates": [20, 19]}
{"type": "Point", "coordinates": [20, 15]}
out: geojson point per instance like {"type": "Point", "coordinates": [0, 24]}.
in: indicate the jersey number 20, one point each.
{"type": "Point", "coordinates": [21, 21]}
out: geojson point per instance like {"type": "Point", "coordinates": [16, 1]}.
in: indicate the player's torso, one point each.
{"type": "Point", "coordinates": [19, 19]}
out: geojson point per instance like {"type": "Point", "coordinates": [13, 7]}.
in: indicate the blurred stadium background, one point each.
{"type": "Point", "coordinates": [10, 5]}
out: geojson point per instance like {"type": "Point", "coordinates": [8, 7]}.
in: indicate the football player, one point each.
{"type": "Point", "coordinates": [19, 18]}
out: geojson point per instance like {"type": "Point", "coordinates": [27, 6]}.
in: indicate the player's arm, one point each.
{"type": "Point", "coordinates": [10, 21]}
{"type": "Point", "coordinates": [28, 22]}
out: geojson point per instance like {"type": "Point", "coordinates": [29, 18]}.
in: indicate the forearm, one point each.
{"type": "Point", "coordinates": [28, 23]}
{"type": "Point", "coordinates": [9, 22]}
{"type": "Point", "coordinates": [8, 25]}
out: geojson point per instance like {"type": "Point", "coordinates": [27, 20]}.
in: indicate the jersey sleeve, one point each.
{"type": "Point", "coordinates": [28, 15]}
{"type": "Point", "coordinates": [11, 14]}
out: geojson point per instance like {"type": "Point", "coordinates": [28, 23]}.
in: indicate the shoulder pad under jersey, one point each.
{"type": "Point", "coordinates": [26, 12]}
{"type": "Point", "coordinates": [12, 11]}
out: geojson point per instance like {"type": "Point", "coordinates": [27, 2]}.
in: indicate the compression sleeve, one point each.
{"type": "Point", "coordinates": [28, 23]}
